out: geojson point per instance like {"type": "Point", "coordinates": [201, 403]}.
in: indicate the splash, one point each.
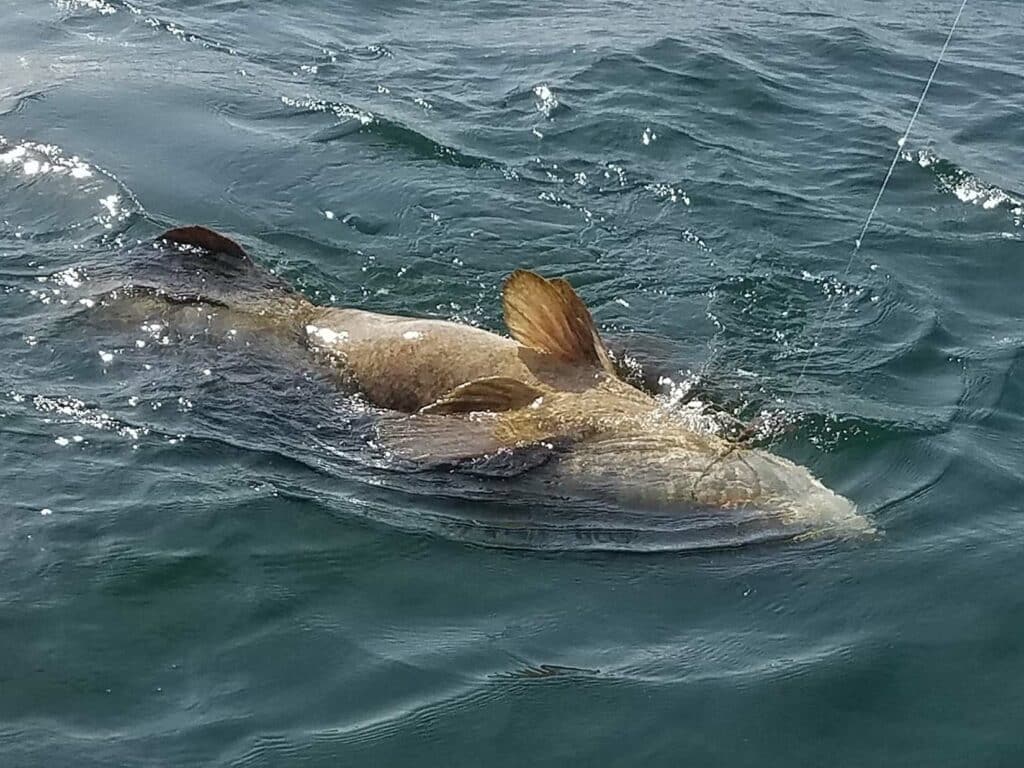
{"type": "Point", "coordinates": [966, 187]}
{"type": "Point", "coordinates": [547, 102]}
{"type": "Point", "coordinates": [100, 6]}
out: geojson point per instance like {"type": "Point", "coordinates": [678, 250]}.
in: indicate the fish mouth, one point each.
{"type": "Point", "coordinates": [827, 514]}
{"type": "Point", "coordinates": [852, 524]}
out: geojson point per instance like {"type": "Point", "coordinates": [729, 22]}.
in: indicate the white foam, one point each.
{"type": "Point", "coordinates": [102, 7]}
{"type": "Point", "coordinates": [547, 102]}
{"type": "Point", "coordinates": [34, 159]}
{"type": "Point", "coordinates": [668, 192]}
{"type": "Point", "coordinates": [968, 188]}
{"type": "Point", "coordinates": [344, 111]}
{"type": "Point", "coordinates": [111, 203]}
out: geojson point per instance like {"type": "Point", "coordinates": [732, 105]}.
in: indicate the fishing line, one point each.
{"type": "Point", "coordinates": [885, 182]}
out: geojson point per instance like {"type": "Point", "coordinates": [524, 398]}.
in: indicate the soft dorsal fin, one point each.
{"type": "Point", "coordinates": [549, 316]}
{"type": "Point", "coordinates": [207, 239]}
{"type": "Point", "coordinates": [497, 393]}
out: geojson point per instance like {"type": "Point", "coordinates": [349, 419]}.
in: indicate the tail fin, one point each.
{"type": "Point", "coordinates": [205, 266]}
{"type": "Point", "coordinates": [207, 240]}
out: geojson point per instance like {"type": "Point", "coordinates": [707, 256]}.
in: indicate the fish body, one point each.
{"type": "Point", "coordinates": [456, 392]}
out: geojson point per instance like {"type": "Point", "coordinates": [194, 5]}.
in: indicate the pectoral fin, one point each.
{"type": "Point", "coordinates": [493, 394]}
{"type": "Point", "coordinates": [548, 316]}
{"type": "Point", "coordinates": [470, 428]}
{"type": "Point", "coordinates": [439, 439]}
{"type": "Point", "coordinates": [472, 443]}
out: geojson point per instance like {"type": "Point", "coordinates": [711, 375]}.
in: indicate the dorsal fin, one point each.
{"type": "Point", "coordinates": [496, 393]}
{"type": "Point", "coordinates": [207, 239]}
{"type": "Point", "coordinates": [548, 316]}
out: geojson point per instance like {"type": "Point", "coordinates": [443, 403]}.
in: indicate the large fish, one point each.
{"type": "Point", "coordinates": [457, 393]}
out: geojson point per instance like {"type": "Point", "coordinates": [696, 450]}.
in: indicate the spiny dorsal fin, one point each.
{"type": "Point", "coordinates": [549, 316]}
{"type": "Point", "coordinates": [207, 239]}
{"type": "Point", "coordinates": [497, 393]}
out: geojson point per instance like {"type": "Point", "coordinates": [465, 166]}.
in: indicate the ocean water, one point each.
{"type": "Point", "coordinates": [202, 564]}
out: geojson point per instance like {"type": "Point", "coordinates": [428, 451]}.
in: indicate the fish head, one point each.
{"type": "Point", "coordinates": [712, 483]}
{"type": "Point", "coordinates": [785, 490]}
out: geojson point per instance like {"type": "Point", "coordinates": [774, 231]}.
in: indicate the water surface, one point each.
{"type": "Point", "coordinates": [200, 563]}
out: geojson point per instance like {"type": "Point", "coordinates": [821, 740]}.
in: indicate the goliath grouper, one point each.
{"type": "Point", "coordinates": [458, 393]}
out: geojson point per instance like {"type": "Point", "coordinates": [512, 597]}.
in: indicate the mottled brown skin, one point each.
{"type": "Point", "coordinates": [406, 363]}
{"type": "Point", "coordinates": [620, 440]}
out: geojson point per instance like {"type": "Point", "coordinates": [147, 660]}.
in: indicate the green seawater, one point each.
{"type": "Point", "coordinates": [203, 563]}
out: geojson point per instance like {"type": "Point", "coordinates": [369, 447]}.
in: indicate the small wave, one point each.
{"type": "Point", "coordinates": [27, 164]}
{"type": "Point", "coordinates": [110, 8]}
{"type": "Point", "coordinates": [965, 186]}
{"type": "Point", "coordinates": [581, 186]}
{"type": "Point", "coordinates": [534, 523]}
{"type": "Point", "coordinates": [357, 120]}
{"type": "Point", "coordinates": [20, 99]}
{"type": "Point", "coordinates": [34, 159]}
{"type": "Point", "coordinates": [190, 37]}
{"type": "Point", "coordinates": [101, 7]}
{"type": "Point", "coordinates": [338, 109]}
{"type": "Point", "coordinates": [600, 178]}
{"type": "Point", "coordinates": [670, 66]}
{"type": "Point", "coordinates": [73, 412]}
{"type": "Point", "coordinates": [329, 57]}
